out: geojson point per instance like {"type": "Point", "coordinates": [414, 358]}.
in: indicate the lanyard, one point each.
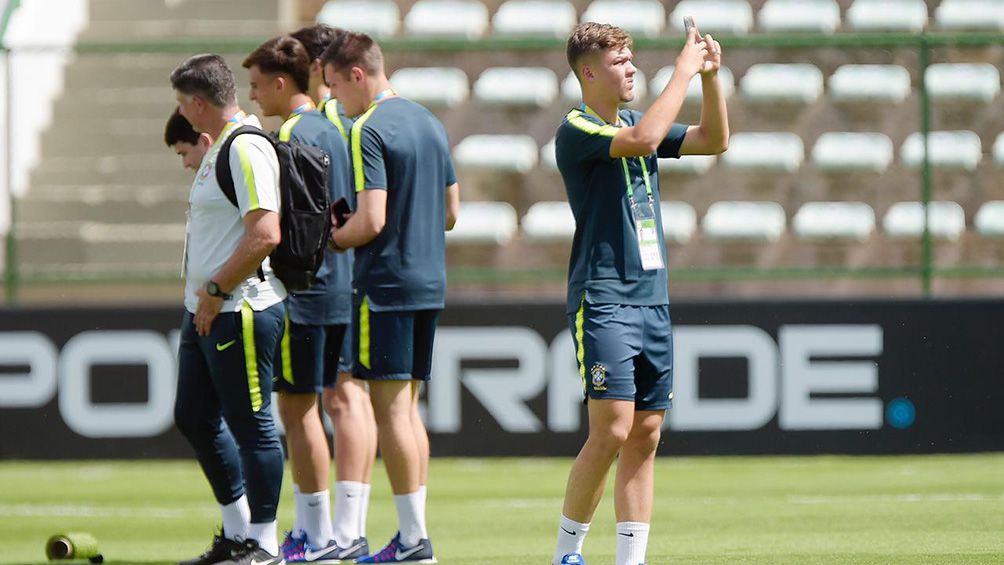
{"type": "Point", "coordinates": [237, 118]}
{"type": "Point", "coordinates": [624, 162]}
{"type": "Point", "coordinates": [305, 107]}
{"type": "Point", "coordinates": [384, 94]}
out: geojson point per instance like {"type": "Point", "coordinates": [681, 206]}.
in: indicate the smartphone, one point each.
{"type": "Point", "coordinates": [688, 24]}
{"type": "Point", "coordinates": [340, 211]}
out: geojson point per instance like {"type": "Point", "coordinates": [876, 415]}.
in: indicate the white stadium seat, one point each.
{"type": "Point", "coordinates": [946, 150]}
{"type": "Point", "coordinates": [985, 15]}
{"type": "Point", "coordinates": [834, 221]}
{"type": "Point", "coordinates": [688, 164]}
{"type": "Point", "coordinates": [715, 16]}
{"type": "Point", "coordinates": [549, 221]}
{"type": "Point", "coordinates": [771, 83]}
{"type": "Point", "coordinates": [999, 150]}
{"type": "Point", "coordinates": [376, 17]}
{"type": "Point", "coordinates": [694, 89]}
{"type": "Point", "coordinates": [484, 222]}
{"type": "Point", "coordinates": [782, 152]}
{"type": "Point", "coordinates": [679, 221]}
{"type": "Point", "coordinates": [969, 82]}
{"type": "Point", "coordinates": [554, 18]}
{"type": "Point", "coordinates": [820, 16]}
{"type": "Point", "coordinates": [744, 221]}
{"type": "Point", "coordinates": [846, 151]}
{"type": "Point", "coordinates": [511, 153]}
{"type": "Point", "coordinates": [432, 86]}
{"type": "Point", "coordinates": [870, 83]}
{"type": "Point", "coordinates": [640, 17]}
{"type": "Point", "coordinates": [887, 15]}
{"type": "Point", "coordinates": [989, 221]}
{"type": "Point", "coordinates": [571, 91]}
{"type": "Point", "coordinates": [547, 156]}
{"type": "Point", "coordinates": [517, 86]}
{"type": "Point", "coordinates": [905, 220]}
{"type": "Point", "coordinates": [453, 18]}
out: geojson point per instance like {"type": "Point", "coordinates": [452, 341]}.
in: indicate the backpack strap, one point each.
{"type": "Point", "coordinates": [224, 176]}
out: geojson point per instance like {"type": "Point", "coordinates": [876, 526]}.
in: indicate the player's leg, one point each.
{"type": "Point", "coordinates": [426, 322]}
{"type": "Point", "coordinates": [198, 416]}
{"type": "Point", "coordinates": [300, 379]}
{"type": "Point", "coordinates": [635, 480]}
{"type": "Point", "coordinates": [242, 375]}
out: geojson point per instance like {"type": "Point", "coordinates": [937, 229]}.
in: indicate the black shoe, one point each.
{"type": "Point", "coordinates": [251, 553]}
{"type": "Point", "coordinates": [220, 551]}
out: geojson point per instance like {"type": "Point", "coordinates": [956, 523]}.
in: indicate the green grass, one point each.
{"type": "Point", "coordinates": [805, 510]}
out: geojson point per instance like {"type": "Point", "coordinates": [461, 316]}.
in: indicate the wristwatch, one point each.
{"type": "Point", "coordinates": [213, 289]}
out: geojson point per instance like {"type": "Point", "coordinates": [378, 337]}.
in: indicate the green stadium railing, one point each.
{"type": "Point", "coordinates": [10, 255]}
{"type": "Point", "coordinates": [924, 43]}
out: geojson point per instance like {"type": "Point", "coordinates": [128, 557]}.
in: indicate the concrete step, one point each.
{"type": "Point", "coordinates": [78, 243]}
{"type": "Point", "coordinates": [153, 204]}
{"type": "Point", "coordinates": [133, 70]}
{"type": "Point", "coordinates": [142, 169]}
{"type": "Point", "coordinates": [123, 10]}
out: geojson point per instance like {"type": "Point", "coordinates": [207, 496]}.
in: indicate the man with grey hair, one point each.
{"type": "Point", "coordinates": [234, 318]}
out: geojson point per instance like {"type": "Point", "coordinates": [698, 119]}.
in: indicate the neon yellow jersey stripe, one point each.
{"type": "Point", "coordinates": [331, 111]}
{"type": "Point", "coordinates": [250, 355]}
{"type": "Point", "coordinates": [287, 353]}
{"type": "Point", "coordinates": [575, 118]}
{"type": "Point", "coordinates": [242, 154]}
{"type": "Point", "coordinates": [286, 131]}
{"type": "Point", "coordinates": [364, 333]}
{"type": "Point", "coordinates": [357, 149]}
{"type": "Point", "coordinates": [580, 346]}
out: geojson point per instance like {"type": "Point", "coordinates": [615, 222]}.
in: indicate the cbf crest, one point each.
{"type": "Point", "coordinates": [598, 375]}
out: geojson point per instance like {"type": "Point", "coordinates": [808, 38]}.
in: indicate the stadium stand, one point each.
{"type": "Point", "coordinates": [982, 15]}
{"type": "Point", "coordinates": [887, 15]}
{"type": "Point", "coordinates": [746, 152]}
{"type": "Point", "coordinates": [989, 220]}
{"type": "Point", "coordinates": [641, 17]}
{"type": "Point", "coordinates": [999, 150]}
{"type": "Point", "coordinates": [779, 16]}
{"type": "Point", "coordinates": [744, 221]}
{"type": "Point", "coordinates": [453, 18]}
{"type": "Point", "coordinates": [517, 86]}
{"type": "Point", "coordinates": [870, 83]}
{"type": "Point", "coordinates": [513, 153]}
{"type": "Point", "coordinates": [715, 16]}
{"type": "Point", "coordinates": [548, 222]}
{"type": "Point", "coordinates": [946, 150]}
{"type": "Point", "coordinates": [432, 86]}
{"type": "Point", "coordinates": [484, 223]}
{"type": "Point", "coordinates": [554, 18]}
{"type": "Point", "coordinates": [847, 151]}
{"type": "Point", "coordinates": [973, 82]}
{"type": "Point", "coordinates": [688, 164]}
{"type": "Point", "coordinates": [662, 76]}
{"type": "Point", "coordinates": [679, 221]}
{"type": "Point", "coordinates": [905, 220]}
{"type": "Point", "coordinates": [380, 18]}
{"type": "Point", "coordinates": [829, 221]}
{"type": "Point", "coordinates": [767, 83]}
{"type": "Point", "coordinates": [547, 157]}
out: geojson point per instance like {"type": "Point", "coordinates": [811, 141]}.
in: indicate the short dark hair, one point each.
{"type": "Point", "coordinates": [178, 129]}
{"type": "Point", "coordinates": [590, 38]}
{"type": "Point", "coordinates": [353, 49]}
{"type": "Point", "coordinates": [208, 77]}
{"type": "Point", "coordinates": [316, 38]}
{"type": "Point", "coordinates": [282, 55]}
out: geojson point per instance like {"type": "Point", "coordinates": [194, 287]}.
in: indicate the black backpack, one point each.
{"type": "Point", "coordinates": [305, 222]}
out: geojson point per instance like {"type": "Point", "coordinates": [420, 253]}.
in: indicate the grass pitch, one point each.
{"type": "Point", "coordinates": [790, 510]}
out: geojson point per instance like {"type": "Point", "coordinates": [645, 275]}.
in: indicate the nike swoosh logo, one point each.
{"type": "Point", "coordinates": [224, 346]}
{"type": "Point", "coordinates": [631, 535]}
{"type": "Point", "coordinates": [266, 562]}
{"type": "Point", "coordinates": [350, 496]}
{"type": "Point", "coordinates": [399, 555]}
{"type": "Point", "coordinates": [350, 550]}
{"type": "Point", "coordinates": [311, 555]}
{"type": "Point", "coordinates": [568, 532]}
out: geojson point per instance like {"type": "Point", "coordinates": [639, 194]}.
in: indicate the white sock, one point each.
{"type": "Point", "coordinates": [364, 508]}
{"type": "Point", "coordinates": [423, 490]}
{"type": "Point", "coordinates": [297, 510]}
{"type": "Point", "coordinates": [266, 534]}
{"type": "Point", "coordinates": [571, 535]}
{"type": "Point", "coordinates": [236, 517]}
{"type": "Point", "coordinates": [411, 524]}
{"type": "Point", "coordinates": [315, 511]}
{"type": "Point", "coordinates": [632, 540]}
{"type": "Point", "coordinates": [348, 501]}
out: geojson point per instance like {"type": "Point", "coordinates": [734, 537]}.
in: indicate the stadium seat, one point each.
{"type": "Point", "coordinates": [989, 221]}
{"type": "Point", "coordinates": [729, 16]}
{"type": "Point", "coordinates": [376, 17]}
{"type": "Point", "coordinates": [946, 150]}
{"type": "Point", "coordinates": [985, 15]}
{"type": "Point", "coordinates": [679, 221]}
{"type": "Point", "coordinates": [640, 17]}
{"type": "Point", "coordinates": [554, 18]}
{"type": "Point", "coordinates": [744, 221]}
{"type": "Point", "coordinates": [870, 83]}
{"type": "Point", "coordinates": [454, 18]}
{"type": "Point", "coordinates": [846, 152]}
{"type": "Point", "coordinates": [572, 92]}
{"type": "Point", "coordinates": [834, 221]}
{"type": "Point", "coordinates": [547, 157]}
{"type": "Point", "coordinates": [433, 86]}
{"type": "Point", "coordinates": [905, 220]}
{"type": "Point", "coordinates": [510, 153]}
{"type": "Point", "coordinates": [782, 152]}
{"type": "Point", "coordinates": [688, 164]}
{"type": "Point", "coordinates": [549, 221]}
{"type": "Point", "coordinates": [999, 150]}
{"type": "Point", "coordinates": [819, 16]}
{"type": "Point", "coordinates": [770, 83]}
{"type": "Point", "coordinates": [968, 82]}
{"type": "Point", "coordinates": [484, 223]}
{"type": "Point", "coordinates": [694, 89]}
{"type": "Point", "coordinates": [517, 86]}
{"type": "Point", "coordinates": [887, 15]}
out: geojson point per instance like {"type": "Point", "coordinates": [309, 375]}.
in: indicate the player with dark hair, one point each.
{"type": "Point", "coordinates": [316, 39]}
{"type": "Point", "coordinates": [189, 144]}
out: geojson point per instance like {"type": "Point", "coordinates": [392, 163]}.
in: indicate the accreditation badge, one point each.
{"type": "Point", "coordinates": [647, 230]}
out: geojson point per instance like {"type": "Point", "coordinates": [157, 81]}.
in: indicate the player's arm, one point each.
{"type": "Point", "coordinates": [711, 136]}
{"type": "Point", "coordinates": [644, 137]}
{"type": "Point", "coordinates": [452, 205]}
{"type": "Point", "coordinates": [365, 223]}
{"type": "Point", "coordinates": [261, 235]}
